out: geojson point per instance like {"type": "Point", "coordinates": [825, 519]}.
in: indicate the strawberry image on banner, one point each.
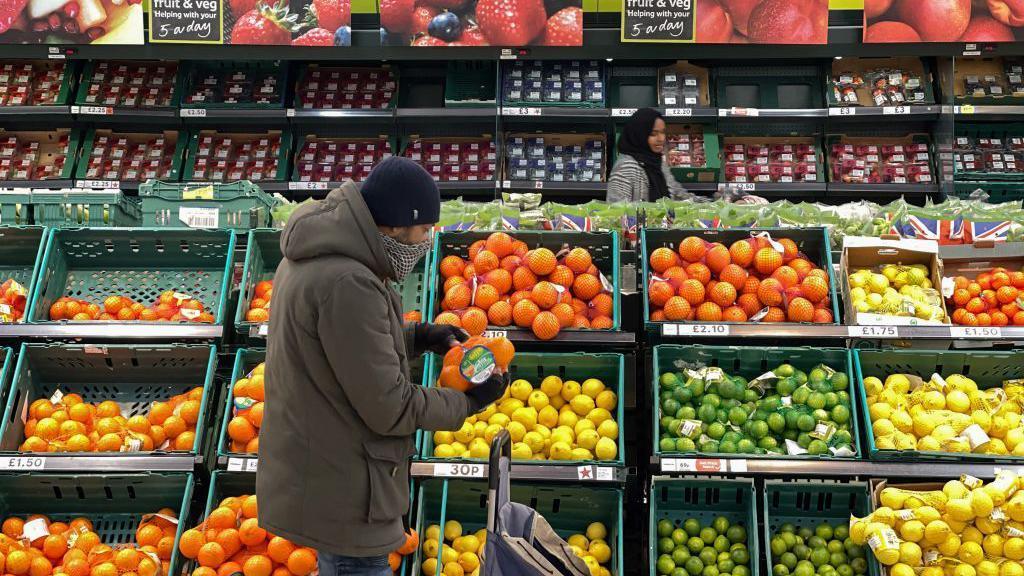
{"type": "Point", "coordinates": [481, 22]}
{"type": "Point", "coordinates": [72, 22]}
{"type": "Point", "coordinates": [289, 22]}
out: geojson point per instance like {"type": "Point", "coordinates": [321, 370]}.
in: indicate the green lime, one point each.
{"type": "Point", "coordinates": [728, 389]}
{"type": "Point", "coordinates": [665, 528]}
{"type": "Point", "coordinates": [780, 570]}
{"type": "Point", "coordinates": [746, 446]}
{"type": "Point", "coordinates": [720, 524]}
{"type": "Point", "coordinates": [708, 535]}
{"type": "Point", "coordinates": [670, 380]}
{"type": "Point", "coordinates": [759, 429]}
{"type": "Point", "coordinates": [805, 532]}
{"type": "Point", "coordinates": [801, 394]}
{"type": "Point", "coordinates": [695, 544]}
{"type": "Point", "coordinates": [716, 430]}
{"type": "Point", "coordinates": [817, 448]}
{"type": "Point", "coordinates": [826, 570]}
{"type": "Point", "coordinates": [785, 386]}
{"type": "Point", "coordinates": [721, 543]}
{"type": "Point", "coordinates": [822, 386]}
{"type": "Point", "coordinates": [682, 394]}
{"type": "Point", "coordinates": [726, 566]}
{"type": "Point", "coordinates": [859, 565]}
{"type": "Point", "coordinates": [750, 395]}
{"type": "Point", "coordinates": [709, 447]}
{"type": "Point", "coordinates": [800, 377]}
{"type": "Point", "coordinates": [804, 569]}
{"type": "Point", "coordinates": [665, 545]}
{"type": "Point", "coordinates": [789, 538]}
{"type": "Point", "coordinates": [840, 381]}
{"type": "Point", "coordinates": [722, 415]}
{"type": "Point", "coordinates": [732, 436]}
{"type": "Point", "coordinates": [679, 537]}
{"type": "Point", "coordinates": [727, 447]}
{"type": "Point", "coordinates": [816, 400]}
{"type": "Point", "coordinates": [841, 532]}
{"type": "Point", "coordinates": [834, 546]}
{"type": "Point", "coordinates": [816, 542]}
{"type": "Point", "coordinates": [665, 565]}
{"type": "Point", "coordinates": [840, 414]}
{"type": "Point", "coordinates": [784, 370]}
{"type": "Point", "coordinates": [837, 559]}
{"type": "Point", "coordinates": [680, 555]}
{"type": "Point", "coordinates": [853, 551]}
{"type": "Point", "coordinates": [778, 546]}
{"type": "Point", "coordinates": [707, 413]}
{"type": "Point", "coordinates": [819, 557]}
{"type": "Point", "coordinates": [710, 571]}
{"type": "Point", "coordinates": [691, 526]}
{"type": "Point", "coordinates": [694, 566]}
{"type": "Point", "coordinates": [817, 375]}
{"type": "Point", "coordinates": [776, 422]}
{"type": "Point", "coordinates": [670, 406]}
{"type": "Point", "coordinates": [711, 400]}
{"type": "Point", "coordinates": [741, 571]}
{"type": "Point", "coordinates": [768, 443]}
{"type": "Point", "coordinates": [665, 422]}
{"type": "Point", "coordinates": [805, 422]}
{"type": "Point", "coordinates": [740, 556]}
{"type": "Point", "coordinates": [804, 440]}
{"type": "Point", "coordinates": [831, 400]}
{"type": "Point", "coordinates": [844, 398]}
{"type": "Point", "coordinates": [737, 416]}
{"type": "Point", "coordinates": [708, 556]}
{"type": "Point", "coordinates": [673, 426]}
{"type": "Point", "coordinates": [696, 388]}
{"type": "Point", "coordinates": [736, 534]}
{"type": "Point", "coordinates": [685, 445]}
{"type": "Point", "coordinates": [789, 560]}
{"type": "Point", "coordinates": [667, 445]}
{"type": "Point", "coordinates": [687, 412]}
{"type": "Point", "coordinates": [678, 571]}
{"type": "Point", "coordinates": [845, 570]}
{"type": "Point", "coordinates": [801, 551]}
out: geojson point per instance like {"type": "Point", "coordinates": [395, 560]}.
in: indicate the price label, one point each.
{"type": "Point", "coordinates": [738, 466]}
{"type": "Point", "coordinates": [519, 111]}
{"type": "Point", "coordinates": [23, 463]}
{"type": "Point", "coordinates": [679, 112]}
{"type": "Point", "coordinates": [193, 112]}
{"type": "Point", "coordinates": [102, 184]}
{"type": "Point", "coordinates": [965, 109]}
{"type": "Point", "coordinates": [263, 330]}
{"type": "Point", "coordinates": [199, 217]}
{"type": "Point", "coordinates": [623, 112]}
{"type": "Point", "coordinates": [96, 110]}
{"type": "Point", "coordinates": [739, 112]}
{"type": "Point", "coordinates": [242, 464]}
{"type": "Point", "coordinates": [506, 54]}
{"type": "Point", "coordinates": [842, 111]}
{"type": "Point", "coordinates": [871, 331]}
{"type": "Point", "coordinates": [290, 113]}
{"type": "Point", "coordinates": [538, 184]}
{"type": "Point", "coordinates": [250, 465]}
{"type": "Point", "coordinates": [495, 334]}
{"type": "Point", "coordinates": [895, 110]}
{"type": "Point", "coordinates": [604, 473]}
{"type": "Point", "coordinates": [694, 465]}
{"type": "Point", "coordinates": [703, 329]}
{"type": "Point", "coordinates": [459, 470]}
{"type": "Point", "coordinates": [307, 185]}
{"type": "Point", "coordinates": [745, 186]}
{"type": "Point", "coordinates": [976, 332]}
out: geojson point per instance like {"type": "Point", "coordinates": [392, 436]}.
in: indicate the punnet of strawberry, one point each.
{"type": "Point", "coordinates": [318, 23]}
{"type": "Point", "coordinates": [481, 22]}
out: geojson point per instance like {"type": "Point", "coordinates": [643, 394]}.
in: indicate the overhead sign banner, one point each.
{"type": "Point", "coordinates": [455, 23]}
{"type": "Point", "coordinates": [186, 21]}
{"type": "Point", "coordinates": [90, 22]}
{"type": "Point", "coordinates": [726, 21]}
{"type": "Point", "coordinates": [980, 21]}
{"type": "Point", "coordinates": [252, 22]}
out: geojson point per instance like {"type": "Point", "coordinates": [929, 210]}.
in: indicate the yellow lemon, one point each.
{"type": "Point", "coordinates": [552, 386]}
{"type": "Point", "coordinates": [587, 439]}
{"type": "Point", "coordinates": [600, 551]}
{"type": "Point", "coordinates": [597, 531]}
{"type": "Point", "coordinates": [570, 389]}
{"type": "Point", "coordinates": [592, 565]}
{"type": "Point", "coordinates": [858, 532]}
{"type": "Point", "coordinates": [1014, 437]}
{"type": "Point", "coordinates": [964, 570]}
{"type": "Point", "coordinates": [954, 489]}
{"type": "Point", "coordinates": [982, 419]}
{"type": "Point", "coordinates": [453, 568]}
{"type": "Point", "coordinates": [516, 430]}
{"type": "Point", "coordinates": [987, 525]}
{"type": "Point", "coordinates": [582, 425]}
{"type": "Point", "coordinates": [557, 402]}
{"type": "Point", "coordinates": [902, 420]}
{"type": "Point", "coordinates": [927, 514]}
{"type": "Point", "coordinates": [901, 570]}
{"type": "Point", "coordinates": [885, 443]}
{"type": "Point", "coordinates": [490, 432]}
{"type": "Point", "coordinates": [1013, 548]}
{"type": "Point", "coordinates": [883, 427]}
{"type": "Point", "coordinates": [884, 515]}
{"type": "Point", "coordinates": [929, 444]}
{"type": "Point", "coordinates": [430, 547]}
{"type": "Point", "coordinates": [932, 571]}
{"type": "Point", "coordinates": [521, 451]}
{"type": "Point", "coordinates": [943, 432]}
{"type": "Point", "coordinates": [605, 571]}
{"type": "Point", "coordinates": [582, 454]}
{"type": "Point", "coordinates": [433, 533]}
{"type": "Point", "coordinates": [526, 416]}
{"type": "Point", "coordinates": [582, 404]}
{"type": "Point", "coordinates": [563, 435]}
{"type": "Point", "coordinates": [507, 407]}
{"type": "Point", "coordinates": [934, 400]}
{"type": "Point", "coordinates": [444, 451]}
{"type": "Point", "coordinates": [479, 427]}
{"type": "Point", "coordinates": [1000, 426]}
{"type": "Point", "coordinates": [987, 568]}
{"type": "Point", "coordinates": [479, 448]}
{"type": "Point", "coordinates": [452, 530]}
{"type": "Point", "coordinates": [535, 441]}
{"type": "Point", "coordinates": [429, 567]}
{"type": "Point", "coordinates": [950, 546]}
{"type": "Point", "coordinates": [924, 423]}
{"type": "Point", "coordinates": [609, 429]}
{"type": "Point", "coordinates": [912, 530]}
{"type": "Point", "coordinates": [936, 532]}
{"type": "Point", "coordinates": [468, 561]}
{"type": "Point", "coordinates": [879, 411]}
{"type": "Point", "coordinates": [500, 419]}
{"type": "Point", "coordinates": [560, 451]}
{"type": "Point", "coordinates": [957, 401]}
{"type": "Point", "coordinates": [470, 543]}
{"type": "Point", "coordinates": [1011, 569]}
{"type": "Point", "coordinates": [443, 437]}
{"type": "Point", "coordinates": [898, 382]}
{"type": "Point", "coordinates": [981, 503]}
{"type": "Point", "coordinates": [607, 400]}
{"type": "Point", "coordinates": [592, 387]}
{"type": "Point", "coordinates": [598, 415]}
{"type": "Point", "coordinates": [465, 433]}
{"type": "Point", "coordinates": [606, 449]}
{"type": "Point", "coordinates": [538, 400]}
{"type": "Point", "coordinates": [543, 430]}
{"type": "Point", "coordinates": [972, 534]}
{"type": "Point", "coordinates": [960, 509]}
{"type": "Point", "coordinates": [521, 390]}
{"type": "Point", "coordinates": [548, 416]}
{"type": "Point", "coordinates": [873, 386]}
{"type": "Point", "coordinates": [910, 553]}
{"type": "Point", "coordinates": [993, 545]}
{"type": "Point", "coordinates": [568, 418]}
{"type": "Point", "coordinates": [892, 498]}
{"type": "Point", "coordinates": [971, 553]}
{"type": "Point", "coordinates": [485, 414]}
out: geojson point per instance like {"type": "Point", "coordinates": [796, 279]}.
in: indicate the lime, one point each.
{"type": "Point", "coordinates": [722, 415]}
{"type": "Point", "coordinates": [801, 394]}
{"type": "Point", "coordinates": [760, 413]}
{"type": "Point", "coordinates": [841, 532]}
{"type": "Point", "coordinates": [682, 394]}
{"type": "Point", "coordinates": [819, 556]}
{"type": "Point", "coordinates": [780, 570]}
{"type": "Point", "coordinates": [758, 429]}
{"type": "Point", "coordinates": [696, 388]}
{"type": "Point", "coordinates": [750, 395]}
{"type": "Point", "coordinates": [707, 413]}
{"type": "Point", "coordinates": [817, 375]}
{"type": "Point", "coordinates": [741, 571]}
{"type": "Point", "coordinates": [736, 534]}
{"type": "Point", "coordinates": [746, 446]}
{"type": "Point", "coordinates": [740, 556]}
{"type": "Point", "coordinates": [767, 443]}
{"type": "Point", "coordinates": [789, 538]}
{"type": "Point", "coordinates": [694, 566]}
{"type": "Point", "coordinates": [800, 377]}
{"type": "Point", "coordinates": [665, 564]}
{"type": "Point", "coordinates": [685, 445]}
{"type": "Point", "coordinates": [778, 546]}
{"type": "Point", "coordinates": [816, 400]}
{"type": "Point", "coordinates": [786, 386]}
{"type": "Point", "coordinates": [737, 416]}
{"type": "Point", "coordinates": [711, 400]}
{"type": "Point", "coordinates": [710, 571]}
{"type": "Point", "coordinates": [791, 418]}
{"type": "Point", "coordinates": [669, 380]}
{"type": "Point", "coordinates": [820, 414]}
{"type": "Point", "coordinates": [664, 395]}
{"type": "Point", "coordinates": [665, 545]}
{"type": "Point", "coordinates": [815, 542]}
{"type": "Point", "coordinates": [840, 414]}
{"type": "Point", "coordinates": [837, 559]}
{"type": "Point", "coordinates": [804, 569]}
{"type": "Point", "coordinates": [726, 565]}
{"type": "Point", "coordinates": [666, 422]}
{"type": "Point", "coordinates": [831, 400]}
{"type": "Point", "coordinates": [670, 406]}
{"type": "Point", "coordinates": [784, 370]}
{"type": "Point", "coordinates": [822, 386]}
{"type": "Point", "coordinates": [805, 422]}
{"type": "Point", "coordinates": [789, 560]}
{"type": "Point", "coordinates": [826, 570]}
{"type": "Point", "coordinates": [732, 436]}
{"type": "Point", "coordinates": [859, 565]}
{"type": "Point", "coordinates": [776, 422]}
{"type": "Point", "coordinates": [680, 555]}
{"type": "Point", "coordinates": [695, 544]}
{"type": "Point", "coordinates": [840, 381]}
{"type": "Point", "coordinates": [844, 398]}
{"type": "Point", "coordinates": [728, 389]}
{"type": "Point", "coordinates": [727, 447]}
{"type": "Point", "coordinates": [709, 447]}
{"type": "Point", "coordinates": [853, 550]}
{"type": "Point", "coordinates": [845, 570]}
{"type": "Point", "coordinates": [805, 532]}
{"type": "Point", "coordinates": [804, 440]}
{"type": "Point", "coordinates": [817, 448]}
{"type": "Point", "coordinates": [665, 528]}
{"type": "Point", "coordinates": [687, 412]}
{"type": "Point", "coordinates": [708, 535]}
{"type": "Point", "coordinates": [834, 546]}
{"type": "Point", "coordinates": [721, 543]}
{"type": "Point", "coordinates": [790, 434]}
{"type": "Point", "coordinates": [720, 524]}
{"type": "Point", "coordinates": [679, 537]}
{"type": "Point", "coordinates": [716, 430]}
{"type": "Point", "coordinates": [691, 526]}
{"type": "Point", "coordinates": [801, 551]}
{"type": "Point", "coordinates": [708, 556]}
{"type": "Point", "coordinates": [678, 571]}
{"type": "Point", "coordinates": [667, 445]}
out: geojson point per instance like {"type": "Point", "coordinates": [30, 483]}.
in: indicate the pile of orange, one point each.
{"type": "Point", "coordinates": [451, 376]}
{"type": "Point", "coordinates": [991, 299]}
{"type": "Point", "coordinates": [68, 424]}
{"type": "Point", "coordinates": [170, 306]}
{"type": "Point", "coordinates": [247, 406]}
{"type": "Point", "coordinates": [503, 283]}
{"type": "Point", "coordinates": [259, 306]}
{"type": "Point", "coordinates": [12, 301]}
{"type": "Point", "coordinates": [753, 280]}
{"type": "Point", "coordinates": [231, 540]}
{"type": "Point", "coordinates": [74, 548]}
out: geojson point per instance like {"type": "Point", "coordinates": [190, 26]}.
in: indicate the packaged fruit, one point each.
{"type": "Point", "coordinates": [965, 526]}
{"type": "Point", "coordinates": [504, 283]}
{"type": "Point", "coordinates": [259, 306]}
{"type": "Point", "coordinates": [695, 548]}
{"type": "Point", "coordinates": [170, 306]}
{"type": "Point", "coordinates": [38, 545]}
{"type": "Point", "coordinates": [755, 279]}
{"type": "Point", "coordinates": [945, 414]}
{"type": "Point", "coordinates": [785, 411]}
{"type": "Point", "coordinates": [992, 298]}
{"type": "Point", "coordinates": [803, 550]}
{"type": "Point", "coordinates": [13, 297]}
{"type": "Point", "coordinates": [66, 423]}
{"type": "Point", "coordinates": [893, 282]}
{"type": "Point", "coordinates": [247, 412]}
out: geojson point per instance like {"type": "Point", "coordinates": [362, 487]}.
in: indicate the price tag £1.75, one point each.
{"type": "Point", "coordinates": [459, 470]}
{"type": "Point", "coordinates": [872, 331]}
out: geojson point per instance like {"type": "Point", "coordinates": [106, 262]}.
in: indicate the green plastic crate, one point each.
{"type": "Point", "coordinates": [93, 208]}
{"type": "Point", "coordinates": [48, 152]}
{"type": "Point", "coordinates": [678, 499]}
{"type": "Point", "coordinates": [5, 368]}
{"type": "Point", "coordinates": [139, 263]}
{"type": "Point", "coordinates": [603, 247]}
{"type": "Point", "coordinates": [134, 376]}
{"type": "Point", "coordinates": [64, 92]}
{"type": "Point", "coordinates": [177, 140]}
{"type": "Point", "coordinates": [115, 503]}
{"type": "Point", "coordinates": [1002, 130]}
{"type": "Point", "coordinates": [812, 242]}
{"type": "Point", "coordinates": [21, 256]}
{"type": "Point", "coordinates": [240, 206]}
{"type": "Point", "coordinates": [283, 154]}
{"type": "Point", "coordinates": [535, 366]}
{"type": "Point", "coordinates": [768, 83]}
{"type": "Point", "coordinates": [569, 510]}
{"type": "Point", "coordinates": [807, 503]}
{"type": "Point", "coordinates": [684, 175]}
{"type": "Point", "coordinates": [193, 72]}
{"type": "Point", "coordinates": [506, 70]}
{"type": "Point", "coordinates": [998, 192]}
{"type": "Point", "coordinates": [987, 368]}
{"type": "Point", "coordinates": [89, 67]}
{"type": "Point", "coordinates": [16, 207]}
{"type": "Point", "coordinates": [469, 84]}
{"type": "Point", "coordinates": [750, 363]}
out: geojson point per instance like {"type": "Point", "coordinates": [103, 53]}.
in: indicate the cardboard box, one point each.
{"type": "Point", "coordinates": [818, 174]}
{"type": "Point", "coordinates": [989, 73]}
{"type": "Point", "coordinates": [683, 70]}
{"type": "Point", "coordinates": [911, 67]}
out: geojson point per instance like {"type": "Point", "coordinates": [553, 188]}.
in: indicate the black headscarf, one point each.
{"type": "Point", "coordinates": [634, 142]}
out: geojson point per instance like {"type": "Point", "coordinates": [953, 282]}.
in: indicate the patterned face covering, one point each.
{"type": "Point", "coordinates": [403, 256]}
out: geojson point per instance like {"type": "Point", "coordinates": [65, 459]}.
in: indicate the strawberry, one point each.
{"type": "Point", "coordinates": [330, 14]}
{"type": "Point", "coordinates": [511, 22]}
{"type": "Point", "coordinates": [315, 37]}
{"type": "Point", "coordinates": [265, 25]}
{"type": "Point", "coordinates": [429, 41]}
{"type": "Point", "coordinates": [565, 28]}
{"type": "Point", "coordinates": [445, 4]}
{"type": "Point", "coordinates": [239, 7]}
{"type": "Point", "coordinates": [9, 12]}
{"type": "Point", "coordinates": [421, 18]}
{"type": "Point", "coordinates": [472, 36]}
{"type": "Point", "coordinates": [396, 16]}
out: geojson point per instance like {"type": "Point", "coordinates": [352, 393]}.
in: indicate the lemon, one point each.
{"type": "Point", "coordinates": [521, 451]}
{"type": "Point", "coordinates": [883, 427]}
{"type": "Point", "coordinates": [598, 415]}
{"type": "Point", "coordinates": [444, 451]}
{"type": "Point", "coordinates": [933, 571]}
{"type": "Point", "coordinates": [873, 386]}
{"type": "Point", "coordinates": [548, 416]}
{"type": "Point", "coordinates": [453, 568]}
{"type": "Point", "coordinates": [583, 425]}
{"type": "Point", "coordinates": [964, 570]}
{"type": "Point", "coordinates": [902, 421]}
{"type": "Point", "coordinates": [465, 433]}
{"type": "Point", "coordinates": [993, 544]}
{"type": "Point", "coordinates": [470, 543]}
{"type": "Point", "coordinates": [430, 546]}
{"type": "Point", "coordinates": [884, 515]}
{"type": "Point", "coordinates": [561, 451]}
{"type": "Point", "coordinates": [879, 410]}
{"type": "Point", "coordinates": [898, 383]}
{"type": "Point", "coordinates": [490, 432]}
{"type": "Point", "coordinates": [1018, 450]}
{"type": "Point", "coordinates": [587, 439]}
{"type": "Point", "coordinates": [570, 389]}
{"type": "Point", "coordinates": [924, 424]}
{"type": "Point", "coordinates": [1011, 569]}
{"type": "Point", "coordinates": [934, 400]}
{"type": "Point", "coordinates": [582, 454]}
{"type": "Point", "coordinates": [538, 400]}
{"type": "Point", "coordinates": [957, 401]}
{"type": "Point", "coordinates": [972, 534]}
{"type": "Point", "coordinates": [597, 531]}
{"type": "Point", "coordinates": [443, 437]}
{"type": "Point", "coordinates": [543, 430]}
{"type": "Point", "coordinates": [910, 553]}
{"type": "Point", "coordinates": [605, 571]}
{"type": "Point", "coordinates": [516, 430]}
{"type": "Point", "coordinates": [912, 530]}
{"type": "Point", "coordinates": [858, 532]}
{"type": "Point", "coordinates": [928, 444]}
{"type": "Point", "coordinates": [468, 561]}
{"type": "Point", "coordinates": [526, 416]}
{"type": "Point", "coordinates": [567, 418]}
{"type": "Point", "coordinates": [607, 400]}
{"type": "Point", "coordinates": [452, 530]}
{"type": "Point", "coordinates": [500, 419]}
{"type": "Point", "coordinates": [557, 402]}
{"type": "Point", "coordinates": [987, 568]}
{"type": "Point", "coordinates": [609, 429]}
{"type": "Point", "coordinates": [599, 549]}
{"type": "Point", "coordinates": [954, 489]}
{"type": "Point", "coordinates": [1013, 548]}
{"type": "Point", "coordinates": [981, 503]}
{"type": "Point", "coordinates": [429, 567]}
{"type": "Point", "coordinates": [971, 553]}
{"type": "Point", "coordinates": [901, 570]}
{"type": "Point", "coordinates": [885, 443]}
{"type": "Point", "coordinates": [592, 565]}
{"type": "Point", "coordinates": [950, 546]}
{"type": "Point", "coordinates": [943, 432]}
{"type": "Point", "coordinates": [552, 386]}
{"type": "Point", "coordinates": [520, 390]}
{"type": "Point", "coordinates": [563, 434]}
{"type": "Point", "coordinates": [606, 449]}
{"type": "Point", "coordinates": [982, 419]}
{"type": "Point", "coordinates": [959, 509]}
{"type": "Point", "coordinates": [485, 414]}
{"type": "Point", "coordinates": [592, 387]}
{"type": "Point", "coordinates": [906, 442]}
{"type": "Point", "coordinates": [535, 441]}
{"type": "Point", "coordinates": [1014, 437]}
{"type": "Point", "coordinates": [987, 526]}
{"type": "Point", "coordinates": [582, 404]}
{"type": "Point", "coordinates": [479, 448]}
{"type": "Point", "coordinates": [577, 551]}
{"type": "Point", "coordinates": [936, 532]}
{"type": "Point", "coordinates": [927, 514]}
{"type": "Point", "coordinates": [507, 407]}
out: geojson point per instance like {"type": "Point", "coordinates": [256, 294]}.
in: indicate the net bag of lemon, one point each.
{"type": "Point", "coordinates": [520, 542]}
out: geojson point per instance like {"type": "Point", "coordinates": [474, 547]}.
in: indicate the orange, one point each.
{"type": "Point", "coordinates": [140, 424]}
{"type": "Point", "coordinates": [104, 569]}
{"type": "Point", "coordinates": [485, 261]}
{"type": "Point", "coordinates": [775, 314]}
{"type": "Point", "coordinates": [742, 253]}
{"type": "Point", "coordinates": [279, 549]}
{"type": "Point", "coordinates": [699, 272]}
{"type": "Point", "coordinates": [961, 296]}
{"type": "Point", "coordinates": [541, 261]}
{"type": "Point", "coordinates": [80, 413]}
{"type": "Point", "coordinates": [255, 414]}
{"type": "Point", "coordinates": [723, 294]}
{"type": "Point", "coordinates": [457, 297]}
{"type": "Point", "coordinates": [969, 319]}
{"type": "Point", "coordinates": [451, 377]}
{"type": "Point", "coordinates": [159, 412]}
{"type": "Point", "coordinates": [1000, 279]}
{"type": "Point", "coordinates": [660, 292]}
{"type": "Point", "coordinates": [18, 561]}
{"type": "Point", "coordinates": [451, 266]}
{"type": "Point", "coordinates": [677, 308]}
{"type": "Point", "coordinates": [55, 546]}
{"type": "Point", "coordinates": [40, 408]}
{"type": "Point", "coordinates": [562, 276]}
{"type": "Point", "coordinates": [93, 310]}
{"type": "Point", "coordinates": [258, 565]}
{"type": "Point", "coordinates": [76, 567]}
{"type": "Point", "coordinates": [524, 312]}
{"type": "Point", "coordinates": [229, 568]}
{"type": "Point", "coordinates": [263, 287]}
{"type": "Point", "coordinates": [583, 322]}
{"type": "Point", "coordinates": [250, 533]}
{"type": "Point", "coordinates": [211, 555]}
{"type": "Point", "coordinates": [301, 562]}
{"type": "Point", "coordinates": [452, 282]}
{"type": "Point", "coordinates": [510, 263]}
{"type": "Point", "coordinates": [500, 244]}
{"type": "Point", "coordinates": [578, 260]}
{"type": "Point", "coordinates": [717, 258]}
{"type": "Point", "coordinates": [546, 325]}
{"type": "Point", "coordinates": [174, 426]}
{"type": "Point", "coordinates": [72, 308]}
{"type": "Point", "coordinates": [989, 298]}
{"type": "Point", "coordinates": [126, 315]}
{"type": "Point", "coordinates": [469, 272]}
{"type": "Point", "coordinates": [57, 311]}
{"type": "Point", "coordinates": [448, 318]}
{"type": "Point", "coordinates": [474, 321]}
{"type": "Point", "coordinates": [253, 446]}
{"type": "Point", "coordinates": [394, 561]}
{"type": "Point", "coordinates": [503, 350]}
{"type": "Point", "coordinates": [662, 259]}
{"type": "Point", "coordinates": [127, 559]}
{"type": "Point", "coordinates": [523, 278]}
{"type": "Point", "coordinates": [222, 517]}
{"type": "Point", "coordinates": [822, 316]}
{"type": "Point", "coordinates": [770, 291]}
{"type": "Point", "coordinates": [790, 251]}
{"type": "Point", "coordinates": [692, 248]}
{"type": "Point", "coordinates": [544, 295]}
{"type": "Point", "coordinates": [586, 286]}
{"type": "Point", "coordinates": [974, 305]}
{"type": "Point", "coordinates": [1006, 294]}
{"type": "Point", "coordinates": [485, 296]}
{"type": "Point", "coordinates": [1017, 279]}
{"type": "Point", "coordinates": [201, 571]}
{"type": "Point", "coordinates": [249, 507]}
{"type": "Point", "coordinates": [240, 430]}
{"type": "Point", "coordinates": [81, 522]}
{"type": "Point", "coordinates": [693, 291]}
{"type": "Point", "coordinates": [189, 412]}
{"type": "Point", "coordinates": [734, 314]}
{"type": "Point", "coordinates": [984, 319]}
{"type": "Point", "coordinates": [602, 305]}
{"type": "Point", "coordinates": [709, 312]}
{"type": "Point", "coordinates": [767, 260]}
{"type": "Point", "coordinates": [500, 279]}
{"type": "Point", "coordinates": [40, 566]}
{"type": "Point", "coordinates": [800, 310]}
{"type": "Point", "coordinates": [148, 535]}
{"type": "Point", "coordinates": [107, 409]}
{"type": "Point", "coordinates": [109, 443]}
{"type": "Point", "coordinates": [1018, 318]}
{"type": "Point", "coordinates": [601, 322]}
{"type": "Point", "coordinates": [734, 275]}
{"type": "Point", "coordinates": [999, 319]}
{"type": "Point", "coordinates": [564, 313]}
{"type": "Point", "coordinates": [786, 275]}
{"type": "Point", "coordinates": [814, 289]}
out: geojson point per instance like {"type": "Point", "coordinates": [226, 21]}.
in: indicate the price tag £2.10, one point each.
{"type": "Point", "coordinates": [459, 470]}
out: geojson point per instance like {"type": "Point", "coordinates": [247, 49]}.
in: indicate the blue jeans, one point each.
{"type": "Point", "coordinates": [334, 565]}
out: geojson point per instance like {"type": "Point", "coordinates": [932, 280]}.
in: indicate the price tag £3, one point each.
{"type": "Point", "coordinates": [459, 470]}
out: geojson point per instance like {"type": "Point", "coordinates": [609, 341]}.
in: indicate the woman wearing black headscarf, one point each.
{"type": "Point", "coordinates": [640, 172]}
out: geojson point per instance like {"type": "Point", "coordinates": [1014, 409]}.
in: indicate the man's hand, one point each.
{"type": "Point", "coordinates": [438, 338]}
{"type": "Point", "coordinates": [481, 395]}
